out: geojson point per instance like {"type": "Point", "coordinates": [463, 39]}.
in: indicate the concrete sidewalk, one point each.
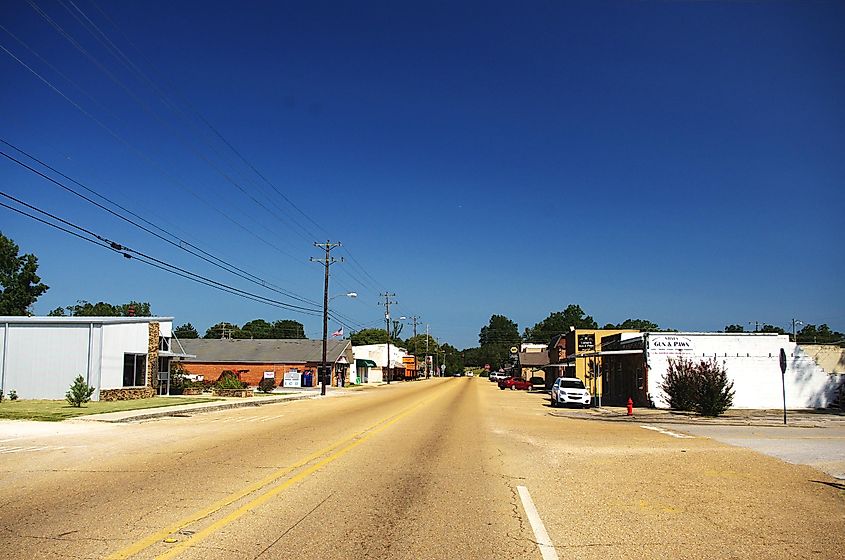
{"type": "Point", "coordinates": [219, 403]}
{"type": "Point", "coordinates": [735, 417]}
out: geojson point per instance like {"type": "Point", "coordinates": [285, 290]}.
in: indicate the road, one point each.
{"type": "Point", "coordinates": [446, 468]}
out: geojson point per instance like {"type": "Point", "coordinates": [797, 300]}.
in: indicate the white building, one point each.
{"type": "Point", "coordinates": [371, 359]}
{"type": "Point", "coordinates": [752, 362]}
{"type": "Point", "coordinates": [121, 357]}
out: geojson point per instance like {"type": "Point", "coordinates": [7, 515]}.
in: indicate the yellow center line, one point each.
{"type": "Point", "coordinates": [175, 527]}
{"type": "Point", "coordinates": [267, 496]}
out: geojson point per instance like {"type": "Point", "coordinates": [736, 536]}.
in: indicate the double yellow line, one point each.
{"type": "Point", "coordinates": [330, 453]}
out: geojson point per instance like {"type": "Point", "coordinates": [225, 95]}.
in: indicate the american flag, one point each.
{"type": "Point", "coordinates": [338, 332]}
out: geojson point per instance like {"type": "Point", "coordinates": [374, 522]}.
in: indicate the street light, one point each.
{"type": "Point", "coordinates": [351, 295]}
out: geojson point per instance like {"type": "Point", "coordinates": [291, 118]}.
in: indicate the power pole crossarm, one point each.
{"type": "Point", "coordinates": [327, 262]}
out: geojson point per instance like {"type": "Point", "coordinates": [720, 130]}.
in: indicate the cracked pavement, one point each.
{"type": "Point", "coordinates": [437, 480]}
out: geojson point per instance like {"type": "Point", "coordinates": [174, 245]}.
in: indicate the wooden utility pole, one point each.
{"type": "Point", "coordinates": [327, 261]}
{"type": "Point", "coordinates": [415, 318]}
{"type": "Point", "coordinates": [386, 304]}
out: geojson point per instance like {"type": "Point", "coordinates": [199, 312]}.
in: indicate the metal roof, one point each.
{"type": "Point", "coordinates": [61, 320]}
{"type": "Point", "coordinates": [265, 351]}
{"type": "Point", "coordinates": [533, 358]}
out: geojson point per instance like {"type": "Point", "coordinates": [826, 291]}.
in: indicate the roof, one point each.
{"type": "Point", "coordinates": [533, 358]}
{"type": "Point", "coordinates": [264, 350]}
{"type": "Point", "coordinates": [85, 320]}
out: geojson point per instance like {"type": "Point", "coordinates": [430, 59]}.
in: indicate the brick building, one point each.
{"type": "Point", "coordinates": [251, 359]}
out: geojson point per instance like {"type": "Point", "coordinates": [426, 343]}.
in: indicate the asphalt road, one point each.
{"type": "Point", "coordinates": [448, 468]}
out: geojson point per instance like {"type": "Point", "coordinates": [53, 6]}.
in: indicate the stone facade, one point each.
{"type": "Point", "coordinates": [127, 394]}
{"type": "Point", "coordinates": [152, 356]}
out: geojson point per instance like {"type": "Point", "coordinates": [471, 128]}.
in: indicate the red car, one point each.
{"type": "Point", "coordinates": [515, 383]}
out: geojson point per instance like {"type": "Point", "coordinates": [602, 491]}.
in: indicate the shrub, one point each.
{"type": "Point", "coordinates": [715, 393]}
{"type": "Point", "coordinates": [679, 384]}
{"type": "Point", "coordinates": [13, 395]}
{"type": "Point", "coordinates": [701, 387]}
{"type": "Point", "coordinates": [80, 392]}
{"type": "Point", "coordinates": [229, 380]}
{"type": "Point", "coordinates": [267, 385]}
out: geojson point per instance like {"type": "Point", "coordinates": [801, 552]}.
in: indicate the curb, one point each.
{"type": "Point", "coordinates": [183, 410]}
{"type": "Point", "coordinates": [651, 419]}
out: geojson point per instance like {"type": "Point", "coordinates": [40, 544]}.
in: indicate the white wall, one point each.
{"type": "Point", "coordinates": [43, 360]}
{"type": "Point", "coordinates": [752, 362]}
{"type": "Point", "coordinates": [120, 339]}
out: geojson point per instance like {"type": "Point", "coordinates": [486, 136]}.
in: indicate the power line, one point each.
{"type": "Point", "coordinates": [130, 253]}
{"type": "Point", "coordinates": [182, 244]}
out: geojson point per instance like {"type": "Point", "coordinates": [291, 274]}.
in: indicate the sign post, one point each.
{"type": "Point", "coordinates": [783, 380]}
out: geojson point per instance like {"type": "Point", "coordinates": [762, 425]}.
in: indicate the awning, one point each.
{"type": "Point", "coordinates": [168, 354]}
{"type": "Point", "coordinates": [365, 363]}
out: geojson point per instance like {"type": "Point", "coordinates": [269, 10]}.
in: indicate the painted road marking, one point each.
{"type": "Point", "coordinates": [16, 449]}
{"type": "Point", "coordinates": [544, 542]}
{"type": "Point", "coordinates": [668, 432]}
{"type": "Point", "coordinates": [334, 452]}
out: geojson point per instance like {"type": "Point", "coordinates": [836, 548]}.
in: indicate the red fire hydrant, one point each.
{"type": "Point", "coordinates": [630, 407]}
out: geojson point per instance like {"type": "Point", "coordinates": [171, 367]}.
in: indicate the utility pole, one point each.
{"type": "Point", "coordinates": [416, 365]}
{"type": "Point", "coordinates": [386, 304]}
{"type": "Point", "coordinates": [426, 351]}
{"type": "Point", "coordinates": [327, 262]}
{"type": "Point", "coordinates": [794, 334]}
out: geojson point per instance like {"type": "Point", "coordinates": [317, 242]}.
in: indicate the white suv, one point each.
{"type": "Point", "coordinates": [498, 376]}
{"type": "Point", "coordinates": [570, 390]}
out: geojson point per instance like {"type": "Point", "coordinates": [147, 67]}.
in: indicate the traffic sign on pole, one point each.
{"type": "Point", "coordinates": [783, 380]}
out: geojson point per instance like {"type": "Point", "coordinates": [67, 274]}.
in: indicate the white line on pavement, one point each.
{"type": "Point", "coordinates": [544, 543]}
{"type": "Point", "coordinates": [667, 432]}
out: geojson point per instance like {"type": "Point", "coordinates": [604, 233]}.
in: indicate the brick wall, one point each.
{"type": "Point", "coordinates": [254, 372]}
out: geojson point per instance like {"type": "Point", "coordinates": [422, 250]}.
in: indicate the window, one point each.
{"type": "Point", "coordinates": [134, 370]}
{"type": "Point", "coordinates": [164, 343]}
{"type": "Point", "coordinates": [163, 368]}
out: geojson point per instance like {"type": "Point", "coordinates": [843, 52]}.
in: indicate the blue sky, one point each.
{"type": "Point", "coordinates": [674, 161]}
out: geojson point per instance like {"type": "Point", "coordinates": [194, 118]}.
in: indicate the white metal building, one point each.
{"type": "Point", "coordinates": [752, 363]}
{"type": "Point", "coordinates": [373, 357]}
{"type": "Point", "coordinates": [121, 357]}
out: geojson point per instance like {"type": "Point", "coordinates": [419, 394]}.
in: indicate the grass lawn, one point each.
{"type": "Point", "coordinates": [54, 411]}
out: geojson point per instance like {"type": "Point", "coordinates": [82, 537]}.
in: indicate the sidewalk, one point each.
{"type": "Point", "coordinates": [219, 403]}
{"type": "Point", "coordinates": [734, 417]}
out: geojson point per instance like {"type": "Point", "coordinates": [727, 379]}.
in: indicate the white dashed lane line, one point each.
{"type": "Point", "coordinates": [541, 536]}
{"type": "Point", "coordinates": [16, 449]}
{"type": "Point", "coordinates": [667, 432]}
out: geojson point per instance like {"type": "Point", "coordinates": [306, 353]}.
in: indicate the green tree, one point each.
{"type": "Point", "coordinates": [559, 322]}
{"type": "Point", "coordinates": [287, 328]}
{"type": "Point", "coordinates": [771, 329]}
{"type": "Point", "coordinates": [185, 331]}
{"type": "Point", "coordinates": [638, 324]}
{"type": "Point", "coordinates": [819, 335]}
{"type": "Point", "coordinates": [373, 336]}
{"type": "Point", "coordinates": [57, 312]}
{"type": "Point", "coordinates": [19, 280]}
{"type": "Point", "coordinates": [79, 393]}
{"type": "Point", "coordinates": [453, 359]}
{"type": "Point", "coordinates": [496, 338]}
{"type": "Point", "coordinates": [223, 330]}
{"type": "Point", "coordinates": [257, 328]}
{"type": "Point", "coordinates": [417, 345]}
{"type": "Point", "coordinates": [734, 328]}
{"type": "Point", "coordinates": [102, 309]}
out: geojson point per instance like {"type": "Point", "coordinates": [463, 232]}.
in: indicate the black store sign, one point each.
{"type": "Point", "coordinates": [586, 342]}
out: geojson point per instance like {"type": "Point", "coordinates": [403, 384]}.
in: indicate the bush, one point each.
{"type": "Point", "coordinates": [79, 393]}
{"type": "Point", "coordinates": [267, 385]}
{"type": "Point", "coordinates": [701, 387]}
{"type": "Point", "coordinates": [13, 395]}
{"type": "Point", "coordinates": [229, 380]}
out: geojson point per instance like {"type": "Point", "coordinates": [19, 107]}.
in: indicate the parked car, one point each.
{"type": "Point", "coordinates": [515, 383]}
{"type": "Point", "coordinates": [498, 376]}
{"type": "Point", "coordinates": [570, 390]}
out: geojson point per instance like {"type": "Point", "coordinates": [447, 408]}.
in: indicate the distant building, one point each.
{"type": "Point", "coordinates": [635, 366]}
{"type": "Point", "coordinates": [121, 357]}
{"type": "Point", "coordinates": [252, 359]}
{"type": "Point", "coordinates": [371, 363]}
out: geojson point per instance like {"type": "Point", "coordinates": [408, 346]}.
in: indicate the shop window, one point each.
{"type": "Point", "coordinates": [134, 370]}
